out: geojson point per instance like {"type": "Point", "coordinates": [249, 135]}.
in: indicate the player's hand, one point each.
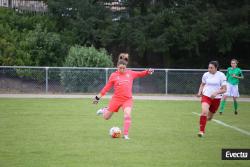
{"type": "Point", "coordinates": [234, 76]}
{"type": "Point", "coordinates": [150, 71]}
{"type": "Point", "coordinates": [214, 95]}
{"type": "Point", "coordinates": [96, 100]}
{"type": "Point", "coordinates": [198, 95]}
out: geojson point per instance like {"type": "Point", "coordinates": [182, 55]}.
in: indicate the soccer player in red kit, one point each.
{"type": "Point", "coordinates": [212, 87]}
{"type": "Point", "coordinates": [122, 81]}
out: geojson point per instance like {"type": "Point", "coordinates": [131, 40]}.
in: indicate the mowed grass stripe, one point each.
{"type": "Point", "coordinates": [67, 132]}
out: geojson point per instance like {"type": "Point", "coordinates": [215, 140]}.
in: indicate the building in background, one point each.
{"type": "Point", "coordinates": [119, 8]}
{"type": "Point", "coordinates": [25, 5]}
{"type": "Point", "coordinates": [4, 3]}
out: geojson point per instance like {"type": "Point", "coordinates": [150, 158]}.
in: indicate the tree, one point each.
{"type": "Point", "coordinates": [80, 80]}
{"type": "Point", "coordinates": [43, 48]}
{"type": "Point", "coordinates": [162, 33]}
{"type": "Point", "coordinates": [29, 40]}
{"type": "Point", "coordinates": [81, 22]}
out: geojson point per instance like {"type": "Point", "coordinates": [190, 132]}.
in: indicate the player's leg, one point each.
{"type": "Point", "coordinates": [235, 105]}
{"type": "Point", "coordinates": [213, 108]}
{"type": "Point", "coordinates": [210, 116]}
{"type": "Point", "coordinates": [101, 111]}
{"type": "Point", "coordinates": [224, 98]}
{"type": "Point", "coordinates": [203, 117]}
{"type": "Point", "coordinates": [235, 94]}
{"type": "Point", "coordinates": [107, 114]}
{"type": "Point", "coordinates": [127, 121]}
{"type": "Point", "coordinates": [223, 103]}
{"type": "Point", "coordinates": [127, 109]}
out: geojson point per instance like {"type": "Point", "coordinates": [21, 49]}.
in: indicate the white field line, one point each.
{"type": "Point", "coordinates": [226, 125]}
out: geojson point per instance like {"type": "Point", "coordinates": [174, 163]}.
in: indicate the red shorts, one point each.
{"type": "Point", "coordinates": [214, 103]}
{"type": "Point", "coordinates": [116, 103]}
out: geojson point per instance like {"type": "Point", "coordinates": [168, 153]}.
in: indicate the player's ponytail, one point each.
{"type": "Point", "coordinates": [215, 64]}
{"type": "Point", "coordinates": [123, 56]}
{"type": "Point", "coordinates": [122, 62]}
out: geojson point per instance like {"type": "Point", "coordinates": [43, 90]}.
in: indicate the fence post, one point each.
{"type": "Point", "coordinates": [106, 75]}
{"type": "Point", "coordinates": [166, 81]}
{"type": "Point", "coordinates": [46, 79]}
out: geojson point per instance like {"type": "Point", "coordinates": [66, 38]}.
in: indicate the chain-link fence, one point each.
{"type": "Point", "coordinates": [63, 80]}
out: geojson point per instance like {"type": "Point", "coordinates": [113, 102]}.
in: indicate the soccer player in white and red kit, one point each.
{"type": "Point", "coordinates": [122, 81]}
{"type": "Point", "coordinates": [212, 87]}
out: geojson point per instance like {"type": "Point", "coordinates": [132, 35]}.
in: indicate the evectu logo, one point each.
{"type": "Point", "coordinates": [235, 154]}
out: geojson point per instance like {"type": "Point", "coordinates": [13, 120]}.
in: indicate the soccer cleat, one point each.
{"type": "Point", "coordinates": [101, 111]}
{"type": "Point", "coordinates": [220, 113]}
{"type": "Point", "coordinates": [200, 134]}
{"type": "Point", "coordinates": [126, 137]}
{"type": "Point", "coordinates": [235, 112]}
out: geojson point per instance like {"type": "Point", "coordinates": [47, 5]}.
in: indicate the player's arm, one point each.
{"type": "Point", "coordinates": [223, 88]}
{"type": "Point", "coordinates": [203, 83]}
{"type": "Point", "coordinates": [227, 74]}
{"type": "Point", "coordinates": [239, 77]}
{"type": "Point", "coordinates": [199, 94]}
{"type": "Point", "coordinates": [139, 74]}
{"type": "Point", "coordinates": [105, 89]}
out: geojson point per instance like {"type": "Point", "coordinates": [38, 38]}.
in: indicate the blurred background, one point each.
{"type": "Point", "coordinates": [56, 46]}
{"type": "Point", "coordinates": [156, 33]}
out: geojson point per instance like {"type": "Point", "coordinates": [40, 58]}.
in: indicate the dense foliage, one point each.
{"type": "Point", "coordinates": [87, 57]}
{"type": "Point", "coordinates": [161, 33]}
{"type": "Point", "coordinates": [85, 80]}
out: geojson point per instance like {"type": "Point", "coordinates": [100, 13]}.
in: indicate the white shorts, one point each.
{"type": "Point", "coordinates": [232, 90]}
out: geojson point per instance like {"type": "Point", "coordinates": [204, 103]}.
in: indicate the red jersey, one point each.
{"type": "Point", "coordinates": [123, 83]}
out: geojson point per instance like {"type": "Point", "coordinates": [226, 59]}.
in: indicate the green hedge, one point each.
{"type": "Point", "coordinates": [85, 80]}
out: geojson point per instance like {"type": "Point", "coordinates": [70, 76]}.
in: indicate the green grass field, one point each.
{"type": "Point", "coordinates": [67, 133]}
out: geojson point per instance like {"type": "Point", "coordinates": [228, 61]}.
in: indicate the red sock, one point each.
{"type": "Point", "coordinates": [203, 121]}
